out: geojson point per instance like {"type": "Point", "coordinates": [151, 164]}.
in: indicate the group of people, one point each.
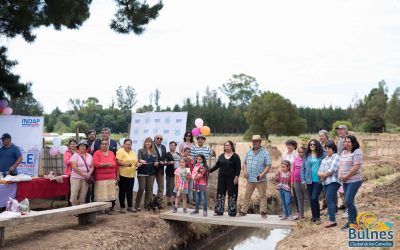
{"type": "Point", "coordinates": [322, 165]}
{"type": "Point", "coordinates": [94, 166]}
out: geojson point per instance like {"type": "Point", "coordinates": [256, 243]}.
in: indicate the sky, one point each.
{"type": "Point", "coordinates": [315, 53]}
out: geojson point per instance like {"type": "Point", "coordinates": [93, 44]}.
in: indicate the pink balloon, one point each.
{"type": "Point", "coordinates": [53, 151]}
{"type": "Point", "coordinates": [195, 131]}
{"type": "Point", "coordinates": [7, 111]}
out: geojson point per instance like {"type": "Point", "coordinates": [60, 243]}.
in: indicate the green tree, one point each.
{"type": "Point", "coordinates": [22, 17]}
{"type": "Point", "coordinates": [126, 98]}
{"type": "Point", "coordinates": [392, 114]}
{"type": "Point", "coordinates": [375, 104]}
{"type": "Point", "coordinates": [240, 89]}
{"type": "Point", "coordinates": [157, 95]}
{"type": "Point", "coordinates": [271, 113]}
{"type": "Point", "coordinates": [26, 105]}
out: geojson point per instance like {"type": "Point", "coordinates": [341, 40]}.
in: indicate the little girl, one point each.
{"type": "Point", "coordinates": [199, 176]}
{"type": "Point", "coordinates": [182, 175]}
{"type": "Point", "coordinates": [284, 187]}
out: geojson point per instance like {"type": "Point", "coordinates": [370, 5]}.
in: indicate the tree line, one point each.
{"type": "Point", "coordinates": [248, 111]}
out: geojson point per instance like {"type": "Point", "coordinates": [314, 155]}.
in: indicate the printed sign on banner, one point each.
{"type": "Point", "coordinates": [27, 134]}
{"type": "Point", "coordinates": [171, 125]}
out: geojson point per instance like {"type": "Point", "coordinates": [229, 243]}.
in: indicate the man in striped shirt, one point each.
{"type": "Point", "coordinates": [201, 149]}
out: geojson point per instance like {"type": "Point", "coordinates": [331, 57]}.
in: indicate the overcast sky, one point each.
{"type": "Point", "coordinates": [312, 52]}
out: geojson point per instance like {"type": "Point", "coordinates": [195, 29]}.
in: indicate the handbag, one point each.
{"type": "Point", "coordinates": [91, 178]}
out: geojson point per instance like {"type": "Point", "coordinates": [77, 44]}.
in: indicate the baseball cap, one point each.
{"type": "Point", "coordinates": [6, 136]}
{"type": "Point", "coordinates": [342, 126]}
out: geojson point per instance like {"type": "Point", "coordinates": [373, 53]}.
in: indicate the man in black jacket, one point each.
{"type": "Point", "coordinates": [161, 154]}
{"type": "Point", "coordinates": [105, 134]}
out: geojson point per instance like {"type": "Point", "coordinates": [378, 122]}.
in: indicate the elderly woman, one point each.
{"type": "Point", "coordinates": [67, 161]}
{"type": "Point", "coordinates": [350, 162]}
{"type": "Point", "coordinates": [82, 169]}
{"type": "Point", "coordinates": [105, 175]}
{"type": "Point", "coordinates": [127, 160]}
{"type": "Point", "coordinates": [309, 176]}
{"type": "Point", "coordinates": [323, 138]}
{"type": "Point", "coordinates": [328, 173]}
{"type": "Point", "coordinates": [147, 163]}
{"type": "Point", "coordinates": [229, 166]}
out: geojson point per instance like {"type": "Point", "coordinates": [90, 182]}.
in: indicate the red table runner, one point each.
{"type": "Point", "coordinates": [40, 188]}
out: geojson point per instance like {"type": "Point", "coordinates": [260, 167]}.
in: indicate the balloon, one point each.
{"type": "Point", "coordinates": [63, 149]}
{"type": "Point", "coordinates": [7, 111]}
{"type": "Point", "coordinates": [195, 132]}
{"type": "Point", "coordinates": [205, 130]}
{"type": "Point", "coordinates": [121, 141]}
{"type": "Point", "coordinates": [3, 103]}
{"type": "Point", "coordinates": [53, 151]}
{"type": "Point", "coordinates": [57, 141]}
{"type": "Point", "coordinates": [198, 122]}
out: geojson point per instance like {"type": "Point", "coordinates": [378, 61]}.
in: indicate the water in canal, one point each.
{"type": "Point", "coordinates": [243, 239]}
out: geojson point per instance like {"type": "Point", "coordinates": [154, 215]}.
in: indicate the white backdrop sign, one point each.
{"type": "Point", "coordinates": [171, 125]}
{"type": "Point", "coordinates": [27, 134]}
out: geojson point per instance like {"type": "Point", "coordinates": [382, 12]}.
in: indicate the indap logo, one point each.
{"type": "Point", "coordinates": [30, 122]}
{"type": "Point", "coordinates": [369, 231]}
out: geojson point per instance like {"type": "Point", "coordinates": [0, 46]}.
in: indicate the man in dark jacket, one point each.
{"type": "Point", "coordinates": [105, 134]}
{"type": "Point", "coordinates": [161, 154]}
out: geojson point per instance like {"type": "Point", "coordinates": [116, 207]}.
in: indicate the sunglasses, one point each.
{"type": "Point", "coordinates": [159, 138]}
{"type": "Point", "coordinates": [104, 144]}
{"type": "Point", "coordinates": [312, 144]}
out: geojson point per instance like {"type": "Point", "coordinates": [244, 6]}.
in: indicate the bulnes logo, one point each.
{"type": "Point", "coordinates": [30, 122]}
{"type": "Point", "coordinates": [369, 231]}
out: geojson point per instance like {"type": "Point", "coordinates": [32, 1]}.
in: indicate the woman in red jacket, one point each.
{"type": "Point", "coordinates": [105, 175]}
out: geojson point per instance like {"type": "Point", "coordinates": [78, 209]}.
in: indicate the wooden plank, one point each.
{"type": "Point", "coordinates": [250, 220]}
{"type": "Point", "coordinates": [55, 213]}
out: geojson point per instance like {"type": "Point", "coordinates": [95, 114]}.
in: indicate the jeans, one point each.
{"type": "Point", "coordinates": [285, 202]}
{"type": "Point", "coordinates": [203, 197]}
{"type": "Point", "coordinates": [314, 189]}
{"type": "Point", "coordinates": [350, 191]}
{"type": "Point", "coordinates": [330, 195]}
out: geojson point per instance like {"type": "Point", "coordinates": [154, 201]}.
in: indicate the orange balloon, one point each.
{"type": "Point", "coordinates": [205, 130]}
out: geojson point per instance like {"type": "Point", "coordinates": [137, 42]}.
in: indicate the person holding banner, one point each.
{"type": "Point", "coordinates": [148, 162]}
{"type": "Point", "coordinates": [10, 156]}
{"type": "Point", "coordinates": [161, 155]}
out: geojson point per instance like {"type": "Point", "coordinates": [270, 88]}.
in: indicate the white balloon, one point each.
{"type": "Point", "coordinates": [63, 149]}
{"type": "Point", "coordinates": [57, 141]}
{"type": "Point", "coordinates": [121, 141]}
{"type": "Point", "coordinates": [199, 122]}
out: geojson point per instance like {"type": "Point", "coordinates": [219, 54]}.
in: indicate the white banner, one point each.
{"type": "Point", "coordinates": [27, 134]}
{"type": "Point", "coordinates": [171, 125]}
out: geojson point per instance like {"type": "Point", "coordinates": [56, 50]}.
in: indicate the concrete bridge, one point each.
{"type": "Point", "coordinates": [250, 220]}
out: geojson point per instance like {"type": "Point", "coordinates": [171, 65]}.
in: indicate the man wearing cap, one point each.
{"type": "Point", "coordinates": [256, 165]}
{"type": "Point", "coordinates": [10, 156]}
{"type": "Point", "coordinates": [342, 131]}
